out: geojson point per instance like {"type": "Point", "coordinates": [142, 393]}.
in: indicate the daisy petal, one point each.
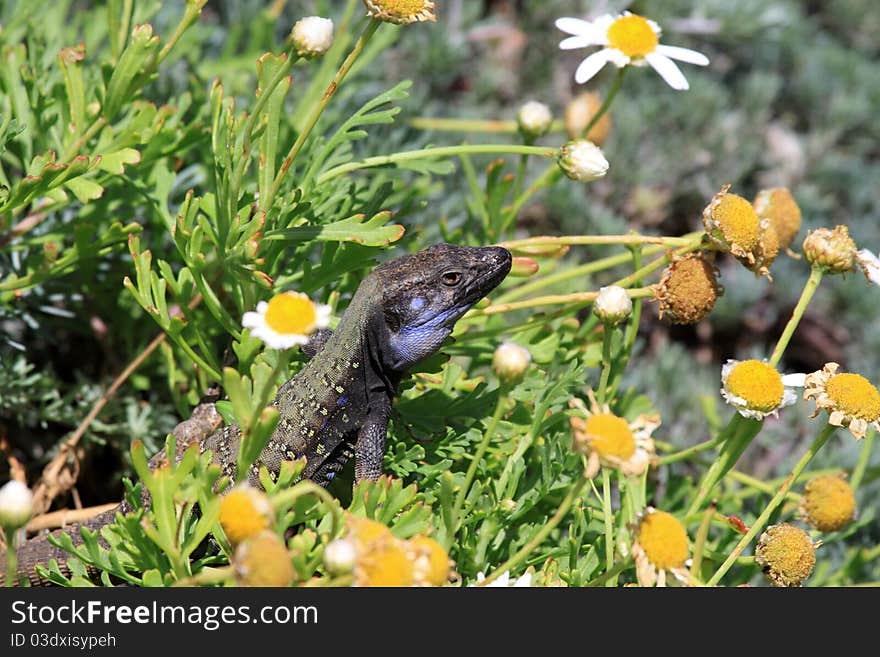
{"type": "Point", "coordinates": [794, 380]}
{"type": "Point", "coordinates": [683, 54]}
{"type": "Point", "coordinates": [871, 265]}
{"type": "Point", "coordinates": [668, 71]}
{"type": "Point", "coordinates": [575, 26]}
{"type": "Point", "coordinates": [592, 65]}
{"type": "Point", "coordinates": [581, 41]}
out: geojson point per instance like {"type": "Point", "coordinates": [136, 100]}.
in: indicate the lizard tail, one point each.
{"type": "Point", "coordinates": [39, 550]}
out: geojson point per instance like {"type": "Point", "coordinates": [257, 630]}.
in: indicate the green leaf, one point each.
{"type": "Point", "coordinates": [115, 162]}
{"type": "Point", "coordinates": [374, 232]}
{"type": "Point", "coordinates": [85, 189]}
{"type": "Point", "coordinates": [141, 48]}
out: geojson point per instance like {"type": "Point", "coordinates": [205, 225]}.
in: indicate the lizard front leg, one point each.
{"type": "Point", "coordinates": [370, 447]}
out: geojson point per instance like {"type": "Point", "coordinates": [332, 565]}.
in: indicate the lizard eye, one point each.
{"type": "Point", "coordinates": [452, 278]}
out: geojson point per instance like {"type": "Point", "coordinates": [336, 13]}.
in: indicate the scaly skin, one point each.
{"type": "Point", "coordinates": [337, 406]}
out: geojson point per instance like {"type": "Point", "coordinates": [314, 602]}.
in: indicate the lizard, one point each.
{"type": "Point", "coordinates": [339, 404]}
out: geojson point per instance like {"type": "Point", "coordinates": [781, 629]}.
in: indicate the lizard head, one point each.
{"type": "Point", "coordinates": [425, 293]}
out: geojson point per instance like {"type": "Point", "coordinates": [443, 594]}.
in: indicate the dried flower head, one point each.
{"type": "Point", "coordinates": [828, 503]}
{"type": "Point", "coordinates": [850, 399]}
{"type": "Point", "coordinates": [786, 554]}
{"type": "Point", "coordinates": [263, 560]}
{"type": "Point", "coordinates": [244, 512]}
{"type": "Point", "coordinates": [431, 565]}
{"type": "Point", "coordinates": [401, 12]}
{"type": "Point", "coordinates": [582, 160]}
{"type": "Point", "coordinates": [756, 389]}
{"type": "Point", "coordinates": [610, 440]}
{"type": "Point", "coordinates": [831, 250]}
{"type": "Point", "coordinates": [660, 546]}
{"type": "Point", "coordinates": [733, 225]}
{"type": "Point", "coordinates": [778, 205]}
{"type": "Point", "coordinates": [766, 250]}
{"type": "Point", "coordinates": [578, 114]}
{"type": "Point", "coordinates": [688, 289]}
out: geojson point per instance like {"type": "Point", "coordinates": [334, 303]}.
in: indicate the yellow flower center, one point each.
{"type": "Point", "coordinates": [633, 36]}
{"type": "Point", "coordinates": [388, 566]}
{"type": "Point", "coordinates": [737, 221]}
{"type": "Point", "coordinates": [366, 531]}
{"type": "Point", "coordinates": [400, 12]}
{"type": "Point", "coordinates": [829, 503]}
{"type": "Point", "coordinates": [610, 436]}
{"type": "Point", "coordinates": [291, 312]}
{"type": "Point", "coordinates": [759, 384]}
{"type": "Point", "coordinates": [664, 540]}
{"type": "Point", "coordinates": [786, 554]}
{"type": "Point", "coordinates": [244, 513]}
{"type": "Point", "coordinates": [431, 561]}
{"type": "Point", "coordinates": [854, 395]}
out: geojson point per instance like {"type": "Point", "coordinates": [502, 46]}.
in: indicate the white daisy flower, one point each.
{"type": "Point", "coordinates": [286, 320]}
{"type": "Point", "coordinates": [629, 40]}
{"type": "Point", "coordinates": [870, 265]}
{"type": "Point", "coordinates": [756, 389]}
{"type": "Point", "coordinates": [504, 580]}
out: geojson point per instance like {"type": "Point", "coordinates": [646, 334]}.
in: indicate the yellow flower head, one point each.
{"type": "Point", "coordinates": [778, 205]}
{"type": "Point", "coordinates": [286, 320]}
{"type": "Point", "coordinates": [828, 503]}
{"type": "Point", "coordinates": [244, 512]}
{"type": "Point", "coordinates": [732, 223]}
{"type": "Point", "coordinates": [766, 250]}
{"type": "Point", "coordinates": [263, 560]}
{"type": "Point", "coordinates": [386, 564]}
{"type": "Point", "coordinates": [578, 114]}
{"type": "Point", "coordinates": [832, 250]}
{"type": "Point", "coordinates": [401, 12]}
{"type": "Point", "coordinates": [756, 389]}
{"type": "Point", "coordinates": [786, 554]}
{"type": "Point", "coordinates": [607, 439]}
{"type": "Point", "coordinates": [661, 545]}
{"type": "Point", "coordinates": [850, 399]}
{"type": "Point", "coordinates": [688, 289]}
{"type": "Point", "coordinates": [431, 564]}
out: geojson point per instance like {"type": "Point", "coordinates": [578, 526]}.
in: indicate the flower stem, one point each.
{"type": "Point", "coordinates": [318, 109]}
{"type": "Point", "coordinates": [473, 125]}
{"type": "Point", "coordinates": [478, 456]}
{"type": "Point", "coordinates": [685, 240]}
{"type": "Point", "coordinates": [536, 540]}
{"type": "Point", "coordinates": [609, 525]}
{"type": "Point", "coordinates": [11, 557]}
{"type": "Point", "coordinates": [735, 437]}
{"type": "Point", "coordinates": [798, 312]}
{"type": "Point", "coordinates": [286, 499]}
{"type": "Point", "coordinates": [700, 541]}
{"type": "Point", "coordinates": [607, 335]}
{"type": "Point", "coordinates": [687, 452]}
{"type": "Point", "coordinates": [761, 521]}
{"type": "Point", "coordinates": [555, 299]}
{"type": "Point", "coordinates": [430, 153]}
{"type": "Point", "coordinates": [606, 104]}
{"type": "Point", "coordinates": [858, 472]}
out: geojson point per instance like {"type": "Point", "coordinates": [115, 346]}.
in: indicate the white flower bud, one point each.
{"type": "Point", "coordinates": [16, 504]}
{"type": "Point", "coordinates": [582, 160]}
{"type": "Point", "coordinates": [511, 361]}
{"type": "Point", "coordinates": [312, 36]}
{"type": "Point", "coordinates": [534, 119]}
{"type": "Point", "coordinates": [613, 304]}
{"type": "Point", "coordinates": [340, 556]}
